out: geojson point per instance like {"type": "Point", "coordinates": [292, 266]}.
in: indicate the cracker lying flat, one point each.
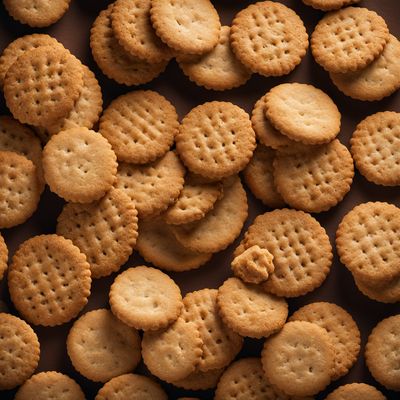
{"type": "Point", "coordinates": [105, 231]}
{"type": "Point", "coordinates": [269, 38]}
{"type": "Point", "coordinates": [385, 293]}
{"type": "Point", "coordinates": [49, 280]}
{"type": "Point", "coordinates": [374, 146]}
{"type": "Point", "coordinates": [367, 242]}
{"type": "Point", "coordinates": [152, 187]}
{"type": "Point", "coordinates": [145, 298]}
{"type": "Point", "coordinates": [299, 359]}
{"type": "Point", "coordinates": [3, 256]}
{"type": "Point", "coordinates": [101, 347]}
{"type": "Point", "coordinates": [220, 227]}
{"type": "Point", "coordinates": [317, 180]}
{"type": "Point", "coordinates": [188, 26]}
{"type": "Point", "coordinates": [141, 126]}
{"type": "Point", "coordinates": [50, 385]}
{"type": "Point", "coordinates": [341, 328]}
{"type": "Point", "coordinates": [19, 351]}
{"type": "Point", "coordinates": [79, 165]}
{"type": "Point", "coordinates": [157, 244]}
{"type": "Point", "coordinates": [327, 5]}
{"type": "Point", "coordinates": [303, 113]}
{"type": "Point", "coordinates": [349, 39]}
{"type": "Point", "coordinates": [199, 380]}
{"type": "Point", "coordinates": [382, 352]}
{"type": "Point", "coordinates": [356, 391]}
{"type": "Point", "coordinates": [379, 79]}
{"type": "Point", "coordinates": [132, 386]}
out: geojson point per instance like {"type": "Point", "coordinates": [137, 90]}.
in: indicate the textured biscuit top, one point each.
{"type": "Point", "coordinates": [356, 391]}
{"type": "Point", "coordinates": [327, 5]}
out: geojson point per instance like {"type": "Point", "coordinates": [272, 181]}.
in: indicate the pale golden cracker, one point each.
{"type": "Point", "coordinates": [199, 380]}
{"type": "Point", "coordinates": [356, 391]}
{"type": "Point", "coordinates": [385, 293]}
{"type": "Point", "coordinates": [328, 5]}
{"type": "Point", "coordinates": [3, 257]}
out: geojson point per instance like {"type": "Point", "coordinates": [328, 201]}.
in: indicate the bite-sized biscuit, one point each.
{"type": "Point", "coordinates": [19, 351]}
{"type": "Point", "coordinates": [132, 386]}
{"type": "Point", "coordinates": [221, 226]}
{"type": "Point", "coordinates": [379, 79]}
{"type": "Point", "coordinates": [248, 310]}
{"type": "Point", "coordinates": [3, 257]}
{"type": "Point", "coordinates": [79, 165]}
{"type": "Point", "coordinates": [299, 359]}
{"type": "Point", "coordinates": [374, 146]}
{"type": "Point", "coordinates": [254, 265]}
{"type": "Point", "coordinates": [269, 38]}
{"type": "Point", "coordinates": [157, 245]}
{"type": "Point", "coordinates": [349, 39]}
{"type": "Point", "coordinates": [303, 113]}
{"type": "Point", "coordinates": [317, 180]}
{"type": "Point", "coordinates": [101, 347]}
{"type": "Point", "coordinates": [385, 293]}
{"type": "Point", "coordinates": [43, 84]}
{"type": "Point", "coordinates": [20, 189]}
{"type": "Point", "coordinates": [341, 328]}
{"type": "Point", "coordinates": [49, 280]}
{"type": "Point", "coordinates": [382, 352]}
{"type": "Point", "coordinates": [105, 231]}
{"type": "Point", "coordinates": [259, 177]}
{"type": "Point", "coordinates": [220, 343]}
{"type": "Point", "coordinates": [132, 28]}
{"type": "Point", "coordinates": [367, 242]}
{"type": "Point", "coordinates": [199, 380]}
{"type": "Point", "coordinates": [113, 60]}
{"type": "Point", "coordinates": [187, 26]}
{"type": "Point", "coordinates": [300, 246]}
{"type": "Point", "coordinates": [173, 353]}
{"type": "Point", "coordinates": [356, 391]}
{"type": "Point", "coordinates": [145, 298]}
{"type": "Point", "coordinates": [216, 140]}
{"type": "Point", "coordinates": [50, 385]}
{"type": "Point", "coordinates": [328, 5]}
{"type": "Point", "coordinates": [196, 199]}
{"type": "Point", "coordinates": [141, 126]}
{"type": "Point", "coordinates": [152, 187]}
{"type": "Point", "coordinates": [218, 69]}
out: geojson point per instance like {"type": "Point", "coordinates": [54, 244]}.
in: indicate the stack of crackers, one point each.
{"type": "Point", "coordinates": [136, 178]}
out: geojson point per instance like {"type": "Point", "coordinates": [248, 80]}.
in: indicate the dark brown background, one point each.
{"type": "Point", "coordinates": [73, 31]}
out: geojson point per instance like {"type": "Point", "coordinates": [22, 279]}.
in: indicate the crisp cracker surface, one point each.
{"type": "Point", "coordinates": [3, 256]}
{"type": "Point", "coordinates": [356, 391]}
{"type": "Point", "coordinates": [328, 5]}
{"type": "Point", "coordinates": [199, 380]}
{"type": "Point", "coordinates": [385, 293]}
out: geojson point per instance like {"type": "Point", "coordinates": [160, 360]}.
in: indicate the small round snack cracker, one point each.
{"type": "Point", "coordinates": [132, 28]}
{"type": "Point", "coordinates": [299, 359]}
{"type": "Point", "coordinates": [20, 189]}
{"type": "Point", "coordinates": [43, 85]}
{"type": "Point", "coordinates": [79, 165]}
{"type": "Point", "coordinates": [173, 353]}
{"type": "Point", "coordinates": [254, 265]}
{"type": "Point", "coordinates": [37, 13]}
{"type": "Point", "coordinates": [367, 242]}
{"type": "Point", "coordinates": [196, 199]}
{"type": "Point", "coordinates": [152, 187]}
{"type": "Point", "coordinates": [341, 328]}
{"type": "Point", "coordinates": [220, 343]}
{"type": "Point", "coordinates": [49, 280]}
{"type": "Point", "coordinates": [216, 140]}
{"type": "Point", "coordinates": [113, 60]}
{"type": "Point", "coordinates": [269, 38]}
{"type": "Point", "coordinates": [217, 70]}
{"type": "Point", "coordinates": [349, 39]}
{"type": "Point", "coordinates": [259, 177]}
{"type": "Point", "coordinates": [132, 387]}
{"type": "Point", "coordinates": [379, 79]}
{"type": "Point", "coordinates": [300, 246]}
{"type": "Point", "coordinates": [187, 26]}
{"type": "Point", "coordinates": [3, 257]}
{"type": "Point", "coordinates": [141, 126]}
{"type": "Point", "coordinates": [221, 226]}
{"type": "Point", "coordinates": [248, 310]}
{"type": "Point", "coordinates": [328, 5]}
{"type": "Point", "coordinates": [385, 293]}
{"type": "Point", "coordinates": [356, 391]}
{"type": "Point", "coordinates": [374, 146]}
{"type": "Point", "coordinates": [145, 298]}
{"type": "Point", "coordinates": [382, 352]}
{"type": "Point", "coordinates": [317, 180]}
{"type": "Point", "coordinates": [101, 347]}
{"type": "Point", "coordinates": [157, 245]}
{"type": "Point", "coordinates": [303, 113]}
{"type": "Point", "coordinates": [19, 351]}
{"type": "Point", "coordinates": [105, 231]}
{"type": "Point", "coordinates": [50, 385]}
{"type": "Point", "coordinates": [199, 380]}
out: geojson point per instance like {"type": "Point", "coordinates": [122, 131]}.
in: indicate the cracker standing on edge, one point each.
{"type": "Point", "coordinates": [3, 257]}
{"type": "Point", "coordinates": [328, 5]}
{"type": "Point", "coordinates": [385, 293]}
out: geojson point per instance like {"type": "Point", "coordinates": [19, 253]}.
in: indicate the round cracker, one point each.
{"type": "Point", "coordinates": [385, 293]}
{"type": "Point", "coordinates": [328, 5]}
{"type": "Point", "coordinates": [199, 380]}
{"type": "Point", "coordinates": [356, 391]}
{"type": "Point", "coordinates": [3, 256]}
